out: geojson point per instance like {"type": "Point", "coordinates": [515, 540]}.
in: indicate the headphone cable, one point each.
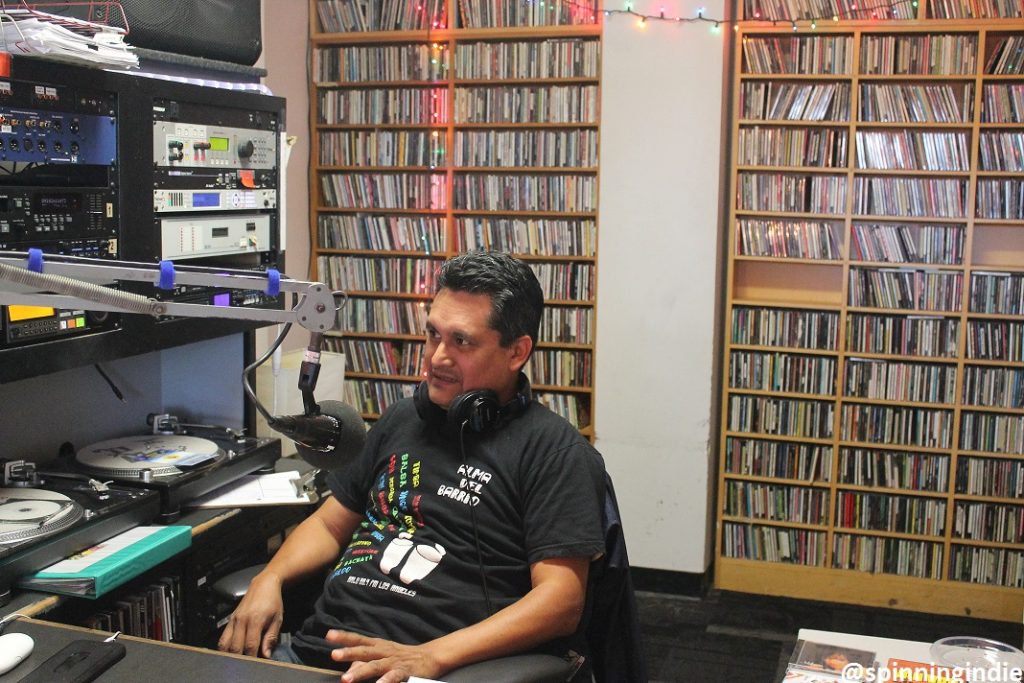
{"type": "Point", "coordinates": [476, 531]}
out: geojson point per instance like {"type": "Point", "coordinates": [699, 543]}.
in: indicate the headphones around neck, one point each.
{"type": "Point", "coordinates": [478, 409]}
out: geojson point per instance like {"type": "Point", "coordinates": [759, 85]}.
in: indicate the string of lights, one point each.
{"type": "Point", "coordinates": [841, 10]}
{"type": "Point", "coordinates": [850, 11]}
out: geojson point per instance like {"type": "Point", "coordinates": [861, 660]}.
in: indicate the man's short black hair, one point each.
{"type": "Point", "coordinates": [517, 301]}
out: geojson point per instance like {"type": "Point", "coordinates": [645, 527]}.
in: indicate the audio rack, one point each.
{"type": "Point", "coordinates": [58, 146]}
{"type": "Point", "coordinates": [58, 191]}
{"type": "Point", "coordinates": [120, 165]}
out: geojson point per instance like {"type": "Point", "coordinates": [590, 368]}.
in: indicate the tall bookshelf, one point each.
{"type": "Point", "coordinates": [443, 127]}
{"type": "Point", "coordinates": [872, 449]}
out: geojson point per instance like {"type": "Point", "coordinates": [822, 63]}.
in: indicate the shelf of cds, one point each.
{"type": "Point", "coordinates": [444, 127]}
{"type": "Point", "coordinates": [872, 449]}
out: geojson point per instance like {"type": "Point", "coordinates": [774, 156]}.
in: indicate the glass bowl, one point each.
{"type": "Point", "coordinates": [971, 652]}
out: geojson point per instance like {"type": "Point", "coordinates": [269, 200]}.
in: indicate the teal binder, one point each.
{"type": "Point", "coordinates": [122, 558]}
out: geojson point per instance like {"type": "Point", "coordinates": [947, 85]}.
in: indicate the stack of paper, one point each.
{"type": "Point", "coordinates": [279, 488]}
{"type": "Point", "coordinates": [40, 34]}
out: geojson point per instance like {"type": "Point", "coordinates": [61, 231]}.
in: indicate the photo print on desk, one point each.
{"type": "Point", "coordinates": [820, 663]}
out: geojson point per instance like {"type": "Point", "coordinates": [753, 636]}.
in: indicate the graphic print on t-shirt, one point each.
{"type": "Point", "coordinates": [471, 485]}
{"type": "Point", "coordinates": [393, 517]}
{"type": "Point", "coordinates": [387, 536]}
{"type": "Point", "coordinates": [423, 558]}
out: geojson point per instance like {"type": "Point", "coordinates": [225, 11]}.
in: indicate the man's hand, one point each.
{"type": "Point", "coordinates": [255, 625]}
{"type": "Point", "coordinates": [383, 661]}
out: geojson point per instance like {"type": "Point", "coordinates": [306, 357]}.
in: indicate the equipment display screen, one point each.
{"type": "Point", "coordinates": [203, 199]}
{"type": "Point", "coordinates": [18, 313]}
{"type": "Point", "coordinates": [63, 202]}
{"type": "Point", "coordinates": [218, 144]}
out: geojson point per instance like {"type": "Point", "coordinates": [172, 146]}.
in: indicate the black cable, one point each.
{"type": "Point", "coordinates": [110, 383]}
{"type": "Point", "coordinates": [258, 362]}
{"type": "Point", "coordinates": [476, 530]}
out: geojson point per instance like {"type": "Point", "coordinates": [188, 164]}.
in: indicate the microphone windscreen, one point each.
{"type": "Point", "coordinates": [350, 439]}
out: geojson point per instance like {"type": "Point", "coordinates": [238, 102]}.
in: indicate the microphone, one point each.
{"type": "Point", "coordinates": [327, 439]}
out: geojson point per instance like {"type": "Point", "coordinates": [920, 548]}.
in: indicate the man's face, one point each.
{"type": "Point", "coordinates": [463, 351]}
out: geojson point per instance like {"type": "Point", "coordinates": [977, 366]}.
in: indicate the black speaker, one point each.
{"type": "Point", "coordinates": [226, 30]}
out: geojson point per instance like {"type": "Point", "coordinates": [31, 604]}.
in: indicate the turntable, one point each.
{"type": "Point", "coordinates": [181, 461]}
{"type": "Point", "coordinates": [47, 516]}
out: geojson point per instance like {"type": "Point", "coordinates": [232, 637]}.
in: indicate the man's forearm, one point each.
{"type": "Point", "coordinates": [552, 609]}
{"type": "Point", "coordinates": [314, 544]}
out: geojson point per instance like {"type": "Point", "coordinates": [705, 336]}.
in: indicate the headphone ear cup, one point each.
{"type": "Point", "coordinates": [478, 409]}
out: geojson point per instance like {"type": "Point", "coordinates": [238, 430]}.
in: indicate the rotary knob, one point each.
{"type": "Point", "coordinates": [246, 149]}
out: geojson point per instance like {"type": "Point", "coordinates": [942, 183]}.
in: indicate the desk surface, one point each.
{"type": "Point", "coordinates": [155, 662]}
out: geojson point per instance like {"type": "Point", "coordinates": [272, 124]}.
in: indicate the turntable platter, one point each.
{"type": "Point", "coordinates": [32, 513]}
{"type": "Point", "coordinates": [25, 511]}
{"type": "Point", "coordinates": [160, 455]}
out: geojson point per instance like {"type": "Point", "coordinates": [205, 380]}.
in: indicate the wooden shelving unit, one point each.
{"type": "Point", "coordinates": [448, 135]}
{"type": "Point", "coordinates": [872, 449]}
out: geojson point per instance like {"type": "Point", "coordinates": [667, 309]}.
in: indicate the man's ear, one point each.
{"type": "Point", "coordinates": [520, 352]}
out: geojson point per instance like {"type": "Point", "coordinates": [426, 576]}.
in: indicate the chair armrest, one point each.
{"type": "Point", "coordinates": [234, 585]}
{"type": "Point", "coordinates": [514, 669]}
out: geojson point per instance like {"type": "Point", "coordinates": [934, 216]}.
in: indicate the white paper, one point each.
{"type": "Point", "coordinates": [30, 32]}
{"type": "Point", "coordinates": [256, 489]}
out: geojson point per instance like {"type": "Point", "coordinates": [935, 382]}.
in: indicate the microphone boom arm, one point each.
{"type": "Point", "coordinates": [72, 283]}
{"type": "Point", "coordinates": [78, 283]}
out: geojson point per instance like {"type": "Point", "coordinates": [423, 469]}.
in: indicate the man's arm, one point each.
{"type": "Point", "coordinates": [551, 609]}
{"type": "Point", "coordinates": [256, 623]}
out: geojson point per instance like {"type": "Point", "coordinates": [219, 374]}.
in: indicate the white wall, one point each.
{"type": "Point", "coordinates": [285, 31]}
{"type": "Point", "coordinates": [657, 277]}
{"type": "Point", "coordinates": [210, 387]}
{"type": "Point", "coordinates": [285, 27]}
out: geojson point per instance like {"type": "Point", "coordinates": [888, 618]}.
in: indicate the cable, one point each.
{"type": "Point", "coordinates": [110, 382]}
{"type": "Point", "coordinates": [258, 362]}
{"type": "Point", "coordinates": [11, 617]}
{"type": "Point", "coordinates": [476, 529]}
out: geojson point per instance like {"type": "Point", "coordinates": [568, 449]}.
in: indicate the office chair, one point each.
{"type": "Point", "coordinates": [609, 620]}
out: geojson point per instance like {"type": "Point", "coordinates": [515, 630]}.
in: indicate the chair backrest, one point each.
{"type": "Point", "coordinates": [611, 622]}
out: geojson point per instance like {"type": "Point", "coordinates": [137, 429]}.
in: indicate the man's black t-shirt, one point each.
{"type": "Point", "coordinates": [533, 488]}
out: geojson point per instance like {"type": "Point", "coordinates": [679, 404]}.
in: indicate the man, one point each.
{"type": "Point", "coordinates": [449, 545]}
